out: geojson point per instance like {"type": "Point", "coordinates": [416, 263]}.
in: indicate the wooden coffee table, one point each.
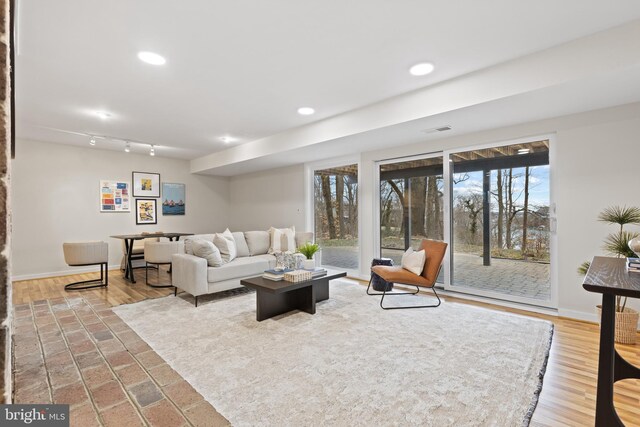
{"type": "Point", "coordinates": [278, 297]}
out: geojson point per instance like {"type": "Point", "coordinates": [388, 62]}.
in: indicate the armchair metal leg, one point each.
{"type": "Point", "coordinates": [410, 306]}
{"type": "Point", "coordinates": [175, 291]}
{"type": "Point", "coordinates": [196, 301]}
{"type": "Point", "coordinates": [102, 282]}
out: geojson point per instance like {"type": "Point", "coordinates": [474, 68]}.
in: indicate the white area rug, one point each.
{"type": "Point", "coordinates": [351, 363]}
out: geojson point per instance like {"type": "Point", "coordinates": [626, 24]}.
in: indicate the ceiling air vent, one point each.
{"type": "Point", "coordinates": [438, 129]}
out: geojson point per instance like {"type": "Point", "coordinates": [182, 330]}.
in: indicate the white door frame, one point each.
{"type": "Point", "coordinates": [448, 225]}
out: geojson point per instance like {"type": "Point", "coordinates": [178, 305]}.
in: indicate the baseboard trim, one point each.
{"type": "Point", "coordinates": [579, 315]}
{"type": "Point", "coordinates": [501, 303]}
{"type": "Point", "coordinates": [75, 270]}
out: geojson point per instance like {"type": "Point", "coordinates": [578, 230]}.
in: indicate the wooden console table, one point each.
{"type": "Point", "coordinates": [609, 277]}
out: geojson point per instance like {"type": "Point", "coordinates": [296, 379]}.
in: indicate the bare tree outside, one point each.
{"type": "Point", "coordinates": [336, 215]}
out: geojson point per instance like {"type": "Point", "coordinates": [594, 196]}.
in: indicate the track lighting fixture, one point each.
{"type": "Point", "coordinates": [127, 146]}
{"type": "Point", "coordinates": [152, 151]}
{"type": "Point", "coordinates": [92, 141]}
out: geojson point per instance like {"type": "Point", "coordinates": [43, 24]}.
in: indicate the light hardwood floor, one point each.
{"type": "Point", "coordinates": [569, 389]}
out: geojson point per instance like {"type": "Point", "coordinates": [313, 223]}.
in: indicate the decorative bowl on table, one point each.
{"type": "Point", "coordinates": [634, 245]}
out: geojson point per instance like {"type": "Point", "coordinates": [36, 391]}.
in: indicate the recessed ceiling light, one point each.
{"type": "Point", "coordinates": [103, 115]}
{"type": "Point", "coordinates": [421, 69]}
{"type": "Point", "coordinates": [151, 58]}
{"type": "Point", "coordinates": [306, 111]}
{"type": "Point", "coordinates": [227, 139]}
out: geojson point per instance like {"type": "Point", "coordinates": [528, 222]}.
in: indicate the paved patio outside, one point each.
{"type": "Point", "coordinates": [510, 277]}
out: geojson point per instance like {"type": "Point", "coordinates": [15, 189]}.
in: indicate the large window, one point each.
{"type": "Point", "coordinates": [335, 200]}
{"type": "Point", "coordinates": [491, 204]}
{"type": "Point", "coordinates": [411, 205]}
{"type": "Point", "coordinates": [500, 220]}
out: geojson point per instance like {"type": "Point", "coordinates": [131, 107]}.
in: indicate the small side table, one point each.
{"type": "Point", "coordinates": [378, 283]}
{"type": "Point", "coordinates": [609, 277]}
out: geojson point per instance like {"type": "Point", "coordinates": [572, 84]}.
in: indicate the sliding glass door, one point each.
{"type": "Point", "coordinates": [411, 204]}
{"type": "Point", "coordinates": [492, 204]}
{"type": "Point", "coordinates": [335, 199]}
{"type": "Point", "coordinates": [500, 222]}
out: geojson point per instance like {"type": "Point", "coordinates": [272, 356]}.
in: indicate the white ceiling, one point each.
{"type": "Point", "coordinates": [243, 67]}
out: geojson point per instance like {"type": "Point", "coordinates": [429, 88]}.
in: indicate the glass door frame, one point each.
{"type": "Point", "coordinates": [377, 250]}
{"type": "Point", "coordinates": [309, 189]}
{"type": "Point", "coordinates": [448, 226]}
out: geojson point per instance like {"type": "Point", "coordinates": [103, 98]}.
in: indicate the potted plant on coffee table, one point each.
{"type": "Point", "coordinates": [308, 250]}
{"type": "Point", "coordinates": [617, 244]}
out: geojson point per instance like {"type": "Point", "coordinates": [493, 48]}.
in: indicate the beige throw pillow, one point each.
{"type": "Point", "coordinates": [282, 239]}
{"type": "Point", "coordinates": [207, 250]}
{"type": "Point", "coordinates": [258, 242]}
{"type": "Point", "coordinates": [414, 261]}
{"type": "Point", "coordinates": [227, 245]}
{"type": "Point", "coordinates": [241, 244]}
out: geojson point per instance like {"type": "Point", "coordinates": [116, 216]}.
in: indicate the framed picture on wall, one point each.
{"type": "Point", "coordinates": [173, 198]}
{"type": "Point", "coordinates": [146, 184]}
{"type": "Point", "coordinates": [146, 211]}
{"type": "Point", "coordinates": [114, 196]}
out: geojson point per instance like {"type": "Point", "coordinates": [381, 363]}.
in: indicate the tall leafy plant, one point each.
{"type": "Point", "coordinates": [617, 244]}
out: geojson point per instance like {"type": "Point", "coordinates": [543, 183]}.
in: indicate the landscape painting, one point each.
{"type": "Point", "coordinates": [173, 198]}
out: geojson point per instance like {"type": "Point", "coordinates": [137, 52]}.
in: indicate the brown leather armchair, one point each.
{"type": "Point", "coordinates": [435, 251]}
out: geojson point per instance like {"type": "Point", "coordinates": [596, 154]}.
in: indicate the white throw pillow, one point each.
{"type": "Point", "coordinates": [282, 239]}
{"type": "Point", "coordinates": [258, 242]}
{"type": "Point", "coordinates": [207, 250]}
{"type": "Point", "coordinates": [414, 261]}
{"type": "Point", "coordinates": [241, 244]}
{"type": "Point", "coordinates": [227, 245]}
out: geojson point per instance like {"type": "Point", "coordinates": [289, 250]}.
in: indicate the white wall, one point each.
{"type": "Point", "coordinates": [55, 199]}
{"type": "Point", "coordinates": [264, 199]}
{"type": "Point", "coordinates": [594, 165]}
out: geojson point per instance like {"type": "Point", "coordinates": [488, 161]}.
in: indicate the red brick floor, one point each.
{"type": "Point", "coordinates": [77, 351]}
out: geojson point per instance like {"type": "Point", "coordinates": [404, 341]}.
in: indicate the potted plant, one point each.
{"type": "Point", "coordinates": [308, 250]}
{"type": "Point", "coordinates": [617, 244]}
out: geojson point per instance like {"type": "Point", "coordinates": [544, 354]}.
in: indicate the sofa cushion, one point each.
{"type": "Point", "coordinates": [303, 237]}
{"type": "Point", "coordinates": [282, 239]}
{"type": "Point", "coordinates": [257, 241]}
{"type": "Point", "coordinates": [188, 239]}
{"type": "Point", "coordinates": [241, 244]}
{"type": "Point", "coordinates": [207, 250]}
{"type": "Point", "coordinates": [227, 245]}
{"type": "Point", "coordinates": [239, 268]}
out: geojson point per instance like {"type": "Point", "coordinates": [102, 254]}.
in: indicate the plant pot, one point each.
{"type": "Point", "coordinates": [626, 325]}
{"type": "Point", "coordinates": [309, 264]}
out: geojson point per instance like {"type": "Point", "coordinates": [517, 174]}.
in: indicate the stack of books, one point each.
{"type": "Point", "coordinates": [318, 272]}
{"type": "Point", "coordinates": [633, 265]}
{"type": "Point", "coordinates": [276, 274]}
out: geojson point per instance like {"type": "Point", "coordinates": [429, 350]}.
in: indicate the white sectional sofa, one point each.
{"type": "Point", "coordinates": [193, 275]}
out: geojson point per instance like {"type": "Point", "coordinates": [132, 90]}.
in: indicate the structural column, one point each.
{"type": "Point", "coordinates": [486, 217]}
